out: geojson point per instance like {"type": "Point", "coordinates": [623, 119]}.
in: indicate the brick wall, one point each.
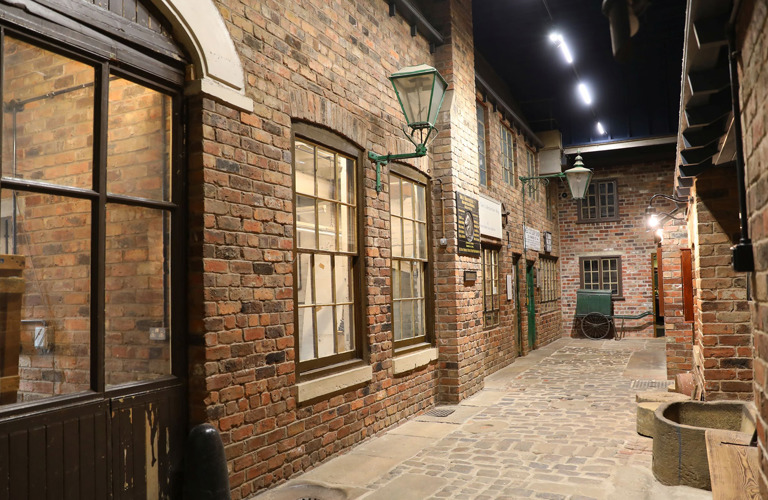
{"type": "Point", "coordinates": [678, 331]}
{"type": "Point", "coordinates": [723, 339]}
{"type": "Point", "coordinates": [303, 64]}
{"type": "Point", "coordinates": [626, 238]}
{"type": "Point", "coordinates": [751, 40]}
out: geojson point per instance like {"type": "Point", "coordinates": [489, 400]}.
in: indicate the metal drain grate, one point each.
{"type": "Point", "coordinates": [650, 384]}
{"type": "Point", "coordinates": [440, 412]}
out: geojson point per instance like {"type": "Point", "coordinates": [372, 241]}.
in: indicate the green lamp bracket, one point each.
{"type": "Point", "coordinates": [421, 150]}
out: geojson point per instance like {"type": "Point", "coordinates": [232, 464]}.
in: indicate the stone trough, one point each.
{"type": "Point", "coordinates": [679, 446]}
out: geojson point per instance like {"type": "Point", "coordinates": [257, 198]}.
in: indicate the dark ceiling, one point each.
{"type": "Point", "coordinates": [633, 100]}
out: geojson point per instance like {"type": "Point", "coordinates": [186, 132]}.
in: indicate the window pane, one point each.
{"type": "Point", "coordinates": [421, 203]}
{"type": "Point", "coordinates": [397, 237]}
{"type": "Point", "coordinates": [40, 88]}
{"type": "Point", "coordinates": [326, 211]}
{"type": "Point", "coordinates": [421, 241]}
{"type": "Point", "coordinates": [325, 331]}
{"type": "Point", "coordinates": [408, 238]}
{"type": "Point", "coordinates": [137, 292]}
{"type": "Point", "coordinates": [397, 322]}
{"type": "Point", "coordinates": [304, 278]}
{"type": "Point", "coordinates": [396, 279]}
{"type": "Point", "coordinates": [304, 163]}
{"type": "Point", "coordinates": [345, 328]}
{"type": "Point", "coordinates": [347, 229]}
{"type": "Point", "coordinates": [405, 280]}
{"type": "Point", "coordinates": [45, 304]}
{"type": "Point", "coordinates": [418, 280]}
{"type": "Point", "coordinates": [342, 276]}
{"type": "Point", "coordinates": [139, 134]}
{"type": "Point", "coordinates": [306, 334]}
{"type": "Point", "coordinates": [323, 289]}
{"type": "Point", "coordinates": [395, 197]}
{"type": "Point", "coordinates": [325, 175]}
{"type": "Point", "coordinates": [418, 319]}
{"type": "Point", "coordinates": [408, 201]}
{"type": "Point", "coordinates": [305, 222]}
{"type": "Point", "coordinates": [406, 308]}
{"type": "Point", "coordinates": [346, 179]}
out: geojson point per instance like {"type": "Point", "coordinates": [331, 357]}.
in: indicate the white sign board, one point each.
{"type": "Point", "coordinates": [509, 287]}
{"type": "Point", "coordinates": [490, 217]}
{"type": "Point", "coordinates": [532, 239]}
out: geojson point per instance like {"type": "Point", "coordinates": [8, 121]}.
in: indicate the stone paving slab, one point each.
{"type": "Point", "coordinates": [562, 427]}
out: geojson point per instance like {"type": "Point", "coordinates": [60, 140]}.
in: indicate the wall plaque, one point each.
{"type": "Point", "coordinates": [468, 225]}
{"type": "Point", "coordinates": [532, 239]}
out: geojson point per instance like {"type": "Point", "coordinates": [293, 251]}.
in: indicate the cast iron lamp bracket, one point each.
{"type": "Point", "coordinates": [654, 219]}
{"type": "Point", "coordinates": [420, 91]}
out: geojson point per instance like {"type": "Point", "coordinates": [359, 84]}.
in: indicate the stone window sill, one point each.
{"type": "Point", "coordinates": [336, 382]}
{"type": "Point", "coordinates": [416, 359]}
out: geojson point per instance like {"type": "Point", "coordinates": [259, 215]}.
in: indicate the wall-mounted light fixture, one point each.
{"type": "Point", "coordinates": [420, 91]}
{"type": "Point", "coordinates": [654, 219]}
{"type": "Point", "coordinates": [577, 177]}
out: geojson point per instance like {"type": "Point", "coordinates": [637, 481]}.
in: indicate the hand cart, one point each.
{"type": "Point", "coordinates": [595, 310]}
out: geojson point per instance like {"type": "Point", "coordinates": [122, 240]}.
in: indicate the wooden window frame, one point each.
{"type": "Point", "coordinates": [508, 153]}
{"type": "Point", "coordinates": [333, 142]}
{"type": "Point", "coordinates": [600, 258]}
{"type": "Point", "coordinates": [598, 218]}
{"type": "Point", "coordinates": [165, 78]}
{"type": "Point", "coordinates": [549, 280]}
{"type": "Point", "coordinates": [494, 297]}
{"type": "Point", "coordinates": [483, 177]}
{"type": "Point", "coordinates": [404, 345]}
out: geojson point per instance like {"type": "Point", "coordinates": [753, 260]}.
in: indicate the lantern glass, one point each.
{"type": "Point", "coordinates": [578, 181]}
{"type": "Point", "coordinates": [420, 90]}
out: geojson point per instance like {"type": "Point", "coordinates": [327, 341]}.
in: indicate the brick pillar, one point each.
{"type": "Point", "coordinates": [678, 332]}
{"type": "Point", "coordinates": [723, 339]}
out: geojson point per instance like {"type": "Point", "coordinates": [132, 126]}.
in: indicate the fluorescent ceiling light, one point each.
{"type": "Point", "coordinates": [560, 41]}
{"type": "Point", "coordinates": [600, 129]}
{"type": "Point", "coordinates": [585, 93]}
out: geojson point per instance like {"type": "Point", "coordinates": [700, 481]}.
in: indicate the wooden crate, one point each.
{"type": "Point", "coordinates": [11, 292]}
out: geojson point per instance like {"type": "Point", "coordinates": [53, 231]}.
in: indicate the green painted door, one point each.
{"type": "Point", "coordinates": [531, 303]}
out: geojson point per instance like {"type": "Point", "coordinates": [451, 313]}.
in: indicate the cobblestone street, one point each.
{"type": "Point", "coordinates": [556, 424]}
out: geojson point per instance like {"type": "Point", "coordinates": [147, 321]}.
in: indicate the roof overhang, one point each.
{"type": "Point", "coordinates": [705, 139]}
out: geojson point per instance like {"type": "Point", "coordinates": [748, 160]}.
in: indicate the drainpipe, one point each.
{"type": "Point", "coordinates": [743, 259]}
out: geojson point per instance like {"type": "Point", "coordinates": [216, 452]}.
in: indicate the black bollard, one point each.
{"type": "Point", "coordinates": [205, 465]}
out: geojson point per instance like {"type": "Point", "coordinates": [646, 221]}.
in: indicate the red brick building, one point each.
{"type": "Point", "coordinates": [192, 232]}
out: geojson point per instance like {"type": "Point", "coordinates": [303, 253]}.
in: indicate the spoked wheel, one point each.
{"type": "Point", "coordinates": [595, 325]}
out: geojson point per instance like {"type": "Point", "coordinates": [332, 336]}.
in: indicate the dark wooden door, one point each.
{"type": "Point", "coordinates": [126, 447]}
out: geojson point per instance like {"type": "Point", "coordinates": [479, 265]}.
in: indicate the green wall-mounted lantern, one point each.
{"type": "Point", "coordinates": [420, 91]}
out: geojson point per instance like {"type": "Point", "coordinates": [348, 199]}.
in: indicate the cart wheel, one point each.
{"type": "Point", "coordinates": [595, 325]}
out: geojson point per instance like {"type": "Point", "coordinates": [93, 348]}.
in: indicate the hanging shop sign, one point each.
{"type": "Point", "coordinates": [490, 217]}
{"type": "Point", "coordinates": [468, 225]}
{"type": "Point", "coordinates": [532, 239]}
{"type": "Point", "coordinates": [547, 241]}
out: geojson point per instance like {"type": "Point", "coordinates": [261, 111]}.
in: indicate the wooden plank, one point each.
{"type": "Point", "coordinates": [5, 493]}
{"type": "Point", "coordinates": [733, 465]}
{"type": "Point", "coordinates": [71, 459]}
{"type": "Point", "coordinates": [139, 439]}
{"type": "Point", "coordinates": [37, 451]}
{"type": "Point", "coordinates": [12, 263]}
{"type": "Point", "coordinates": [686, 276]}
{"type": "Point", "coordinates": [87, 458]}
{"type": "Point", "coordinates": [101, 452]}
{"type": "Point", "coordinates": [116, 6]}
{"type": "Point", "coordinates": [129, 10]}
{"type": "Point", "coordinates": [54, 460]}
{"type": "Point", "coordinates": [18, 467]}
{"type": "Point", "coordinates": [142, 15]}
